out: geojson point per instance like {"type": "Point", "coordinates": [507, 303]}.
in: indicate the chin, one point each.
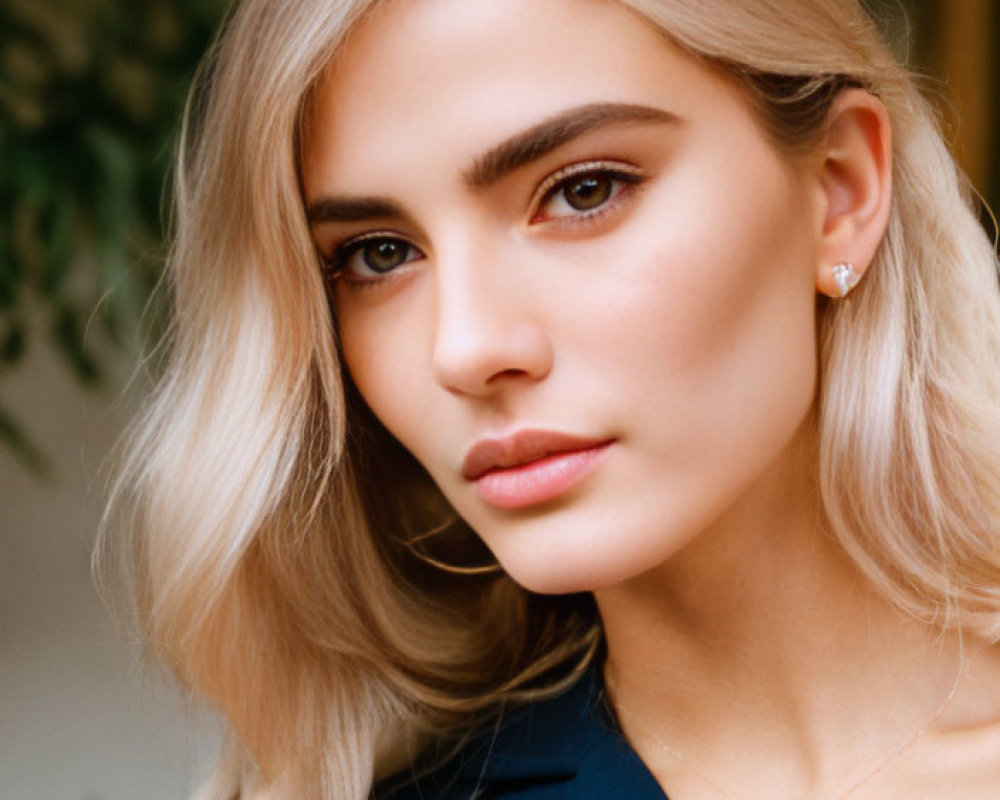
{"type": "Point", "coordinates": [571, 567]}
{"type": "Point", "coordinates": [562, 581]}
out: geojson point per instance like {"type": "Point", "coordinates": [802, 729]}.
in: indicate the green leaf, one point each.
{"type": "Point", "coordinates": [13, 435]}
{"type": "Point", "coordinates": [58, 224]}
{"type": "Point", "coordinates": [68, 337]}
{"type": "Point", "coordinates": [13, 343]}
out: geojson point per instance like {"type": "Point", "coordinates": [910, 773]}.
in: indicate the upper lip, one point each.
{"type": "Point", "coordinates": [521, 448]}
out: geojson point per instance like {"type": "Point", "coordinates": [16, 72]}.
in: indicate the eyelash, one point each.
{"type": "Point", "coordinates": [335, 265]}
{"type": "Point", "coordinates": [624, 178]}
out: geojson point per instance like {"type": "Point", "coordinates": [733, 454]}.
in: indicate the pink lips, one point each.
{"type": "Point", "coordinates": [530, 467]}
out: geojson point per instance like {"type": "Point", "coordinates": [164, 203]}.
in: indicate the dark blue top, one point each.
{"type": "Point", "coordinates": [565, 748]}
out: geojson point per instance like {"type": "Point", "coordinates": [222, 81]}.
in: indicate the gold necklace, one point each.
{"type": "Point", "coordinates": [685, 763]}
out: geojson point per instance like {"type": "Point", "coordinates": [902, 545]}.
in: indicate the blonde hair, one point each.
{"type": "Point", "coordinates": [273, 580]}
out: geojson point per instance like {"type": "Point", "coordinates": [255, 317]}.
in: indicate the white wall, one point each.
{"type": "Point", "coordinates": [79, 720]}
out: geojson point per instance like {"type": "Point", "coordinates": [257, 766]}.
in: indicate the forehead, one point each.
{"type": "Point", "coordinates": [441, 80]}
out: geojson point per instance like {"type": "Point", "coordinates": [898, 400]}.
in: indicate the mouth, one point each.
{"type": "Point", "coordinates": [531, 467]}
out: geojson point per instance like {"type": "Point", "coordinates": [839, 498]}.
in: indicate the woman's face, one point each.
{"type": "Point", "coordinates": [574, 278]}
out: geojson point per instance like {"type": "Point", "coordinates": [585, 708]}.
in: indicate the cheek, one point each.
{"type": "Point", "coordinates": [702, 358]}
{"type": "Point", "coordinates": [712, 324]}
{"type": "Point", "coordinates": [384, 349]}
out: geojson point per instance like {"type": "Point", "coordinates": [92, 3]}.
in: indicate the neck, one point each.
{"type": "Point", "coordinates": [762, 639]}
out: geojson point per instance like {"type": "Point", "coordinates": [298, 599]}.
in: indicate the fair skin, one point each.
{"type": "Point", "coordinates": [635, 266]}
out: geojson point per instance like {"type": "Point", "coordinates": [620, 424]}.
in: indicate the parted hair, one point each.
{"type": "Point", "coordinates": [279, 544]}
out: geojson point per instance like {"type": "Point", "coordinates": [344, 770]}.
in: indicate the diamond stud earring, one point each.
{"type": "Point", "coordinates": [845, 277]}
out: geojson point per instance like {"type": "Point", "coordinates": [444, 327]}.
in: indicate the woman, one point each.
{"type": "Point", "coordinates": [679, 307]}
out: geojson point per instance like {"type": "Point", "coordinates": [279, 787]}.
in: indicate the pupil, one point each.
{"type": "Point", "coordinates": [384, 256]}
{"type": "Point", "coordinates": [589, 193]}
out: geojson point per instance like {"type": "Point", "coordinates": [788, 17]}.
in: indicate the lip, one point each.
{"type": "Point", "coordinates": [531, 466]}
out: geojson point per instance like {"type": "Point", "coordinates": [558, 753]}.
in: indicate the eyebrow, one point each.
{"type": "Point", "coordinates": [354, 209]}
{"type": "Point", "coordinates": [552, 133]}
{"type": "Point", "coordinates": [510, 155]}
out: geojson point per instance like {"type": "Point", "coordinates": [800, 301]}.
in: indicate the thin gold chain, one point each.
{"type": "Point", "coordinates": [895, 754]}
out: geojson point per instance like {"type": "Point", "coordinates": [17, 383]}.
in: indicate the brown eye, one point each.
{"type": "Point", "coordinates": [371, 257]}
{"type": "Point", "coordinates": [583, 191]}
{"type": "Point", "coordinates": [589, 192]}
{"type": "Point", "coordinates": [384, 255]}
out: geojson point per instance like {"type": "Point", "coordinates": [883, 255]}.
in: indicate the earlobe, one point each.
{"type": "Point", "coordinates": [855, 183]}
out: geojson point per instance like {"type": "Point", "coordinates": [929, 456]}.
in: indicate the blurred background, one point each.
{"type": "Point", "coordinates": [90, 93]}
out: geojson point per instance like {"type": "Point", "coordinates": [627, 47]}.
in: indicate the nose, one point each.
{"type": "Point", "coordinates": [489, 331]}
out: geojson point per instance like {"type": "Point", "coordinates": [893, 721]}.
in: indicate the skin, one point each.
{"type": "Point", "coordinates": [696, 288]}
{"type": "Point", "coordinates": [677, 322]}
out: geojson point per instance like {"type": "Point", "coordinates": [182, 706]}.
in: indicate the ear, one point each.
{"type": "Point", "coordinates": [854, 171]}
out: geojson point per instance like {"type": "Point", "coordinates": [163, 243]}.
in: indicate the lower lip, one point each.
{"type": "Point", "coordinates": [539, 481]}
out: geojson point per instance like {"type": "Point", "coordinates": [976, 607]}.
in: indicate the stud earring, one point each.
{"type": "Point", "coordinates": [845, 277]}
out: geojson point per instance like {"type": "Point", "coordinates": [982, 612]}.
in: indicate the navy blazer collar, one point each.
{"type": "Point", "coordinates": [565, 748]}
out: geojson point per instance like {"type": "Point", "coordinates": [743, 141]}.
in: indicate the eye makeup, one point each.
{"type": "Point", "coordinates": [370, 257]}
{"type": "Point", "coordinates": [612, 180]}
{"type": "Point", "coordinates": [574, 195]}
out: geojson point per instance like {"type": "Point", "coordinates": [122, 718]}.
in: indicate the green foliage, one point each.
{"type": "Point", "coordinates": [90, 95]}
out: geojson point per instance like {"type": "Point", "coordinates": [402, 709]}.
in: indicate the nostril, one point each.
{"type": "Point", "coordinates": [507, 373]}
{"type": "Point", "coordinates": [485, 341]}
{"type": "Point", "coordinates": [493, 362]}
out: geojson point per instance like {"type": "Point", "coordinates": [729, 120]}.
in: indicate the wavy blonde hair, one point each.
{"type": "Point", "coordinates": [274, 581]}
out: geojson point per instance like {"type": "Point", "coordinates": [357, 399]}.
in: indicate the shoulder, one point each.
{"type": "Point", "coordinates": [555, 749]}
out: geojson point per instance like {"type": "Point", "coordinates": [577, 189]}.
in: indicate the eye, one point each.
{"type": "Point", "coordinates": [371, 257]}
{"type": "Point", "coordinates": [584, 190]}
